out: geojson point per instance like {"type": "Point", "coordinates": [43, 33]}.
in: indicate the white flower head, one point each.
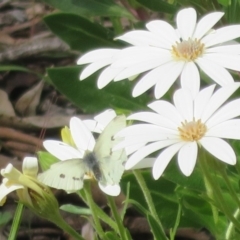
{"type": "Point", "coordinates": [84, 157]}
{"type": "Point", "coordinates": [22, 183]}
{"type": "Point", "coordinates": [184, 126]}
{"type": "Point", "coordinates": [166, 53]}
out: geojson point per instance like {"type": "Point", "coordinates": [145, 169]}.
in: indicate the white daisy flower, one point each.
{"type": "Point", "coordinates": [184, 126]}
{"type": "Point", "coordinates": [167, 53]}
{"type": "Point", "coordinates": [83, 157]}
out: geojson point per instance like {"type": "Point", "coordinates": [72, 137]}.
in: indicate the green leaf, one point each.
{"type": "Point", "coordinates": [89, 98]}
{"type": "Point", "coordinates": [194, 181]}
{"type": "Point", "coordinates": [46, 160]}
{"type": "Point", "coordinates": [79, 33]}
{"type": "Point", "coordinates": [5, 217]}
{"type": "Point", "coordinates": [158, 6]}
{"type": "Point", "coordinates": [225, 3]}
{"type": "Point", "coordinates": [75, 209]}
{"type": "Point", "coordinates": [4, 68]}
{"type": "Point", "coordinates": [112, 236]}
{"type": "Point", "coordinates": [162, 192]}
{"type": "Point", "coordinates": [154, 227]}
{"type": "Point", "coordinates": [87, 8]}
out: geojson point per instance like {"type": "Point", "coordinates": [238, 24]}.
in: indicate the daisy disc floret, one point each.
{"type": "Point", "coordinates": [181, 128]}
{"type": "Point", "coordinates": [166, 53]}
{"type": "Point", "coordinates": [83, 157]}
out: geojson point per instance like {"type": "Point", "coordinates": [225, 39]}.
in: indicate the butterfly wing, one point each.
{"type": "Point", "coordinates": [111, 163]}
{"type": "Point", "coordinates": [67, 175]}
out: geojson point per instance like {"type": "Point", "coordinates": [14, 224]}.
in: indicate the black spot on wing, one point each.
{"type": "Point", "coordinates": [62, 175]}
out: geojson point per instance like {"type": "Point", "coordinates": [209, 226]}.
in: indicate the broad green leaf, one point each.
{"type": "Point", "coordinates": [46, 160]}
{"type": "Point", "coordinates": [89, 98]}
{"type": "Point", "coordinates": [79, 33]}
{"type": "Point", "coordinates": [174, 174]}
{"type": "Point", "coordinates": [87, 8]}
{"type": "Point", "coordinates": [158, 6]}
{"type": "Point", "coordinates": [76, 209]}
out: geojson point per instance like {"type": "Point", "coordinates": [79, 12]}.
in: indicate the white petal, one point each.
{"type": "Point", "coordinates": [229, 49]}
{"type": "Point", "coordinates": [137, 128]}
{"type": "Point", "coordinates": [132, 55]}
{"type": "Point", "coordinates": [220, 149]}
{"type": "Point", "coordinates": [224, 60]}
{"type": "Point", "coordinates": [164, 158]}
{"type": "Point", "coordinates": [190, 78]}
{"type": "Point", "coordinates": [217, 99]}
{"type": "Point", "coordinates": [167, 110]}
{"type": "Point", "coordinates": [100, 121]}
{"type": "Point", "coordinates": [187, 157]}
{"type": "Point", "coordinates": [112, 190]}
{"type": "Point", "coordinates": [172, 71]}
{"type": "Point", "coordinates": [133, 148]}
{"type": "Point", "coordinates": [216, 72]}
{"type": "Point", "coordinates": [145, 151]}
{"type": "Point", "coordinates": [201, 101]}
{"type": "Point", "coordinates": [221, 35]}
{"type": "Point", "coordinates": [184, 103]}
{"type": "Point", "coordinates": [206, 23]}
{"type": "Point", "coordinates": [143, 66]}
{"type": "Point", "coordinates": [145, 163]}
{"type": "Point", "coordinates": [164, 31]}
{"type": "Point", "coordinates": [154, 118]}
{"type": "Point", "coordinates": [93, 67]}
{"type": "Point", "coordinates": [228, 129]}
{"type": "Point", "coordinates": [104, 118]}
{"type": "Point", "coordinates": [107, 75]}
{"type": "Point", "coordinates": [82, 137]}
{"type": "Point", "coordinates": [186, 22]}
{"type": "Point", "coordinates": [228, 111]}
{"type": "Point", "coordinates": [96, 55]}
{"type": "Point", "coordinates": [164, 75]}
{"type": "Point", "coordinates": [141, 38]}
{"type": "Point", "coordinates": [30, 166]}
{"type": "Point", "coordinates": [8, 187]}
{"type": "Point", "coordinates": [61, 150]}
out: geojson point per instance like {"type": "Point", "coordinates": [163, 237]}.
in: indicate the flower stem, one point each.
{"type": "Point", "coordinates": [230, 228]}
{"type": "Point", "coordinates": [16, 221]}
{"type": "Point", "coordinates": [217, 193]}
{"type": "Point", "coordinates": [101, 214]}
{"type": "Point", "coordinates": [67, 228]}
{"type": "Point", "coordinates": [91, 205]}
{"type": "Point", "coordinates": [148, 199]}
{"type": "Point", "coordinates": [117, 217]}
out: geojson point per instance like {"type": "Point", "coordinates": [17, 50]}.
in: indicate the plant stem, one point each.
{"type": "Point", "coordinates": [101, 214]}
{"type": "Point", "coordinates": [116, 22]}
{"type": "Point", "coordinates": [148, 199]}
{"type": "Point", "coordinates": [16, 221]}
{"type": "Point", "coordinates": [230, 228]}
{"type": "Point", "coordinates": [67, 228]}
{"type": "Point", "coordinates": [92, 207]}
{"type": "Point", "coordinates": [117, 217]}
{"type": "Point", "coordinates": [217, 193]}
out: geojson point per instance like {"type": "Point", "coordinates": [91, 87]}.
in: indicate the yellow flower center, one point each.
{"type": "Point", "coordinates": [187, 50]}
{"type": "Point", "coordinates": [192, 131]}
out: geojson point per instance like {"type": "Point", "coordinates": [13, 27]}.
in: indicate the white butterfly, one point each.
{"type": "Point", "coordinates": [87, 157]}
